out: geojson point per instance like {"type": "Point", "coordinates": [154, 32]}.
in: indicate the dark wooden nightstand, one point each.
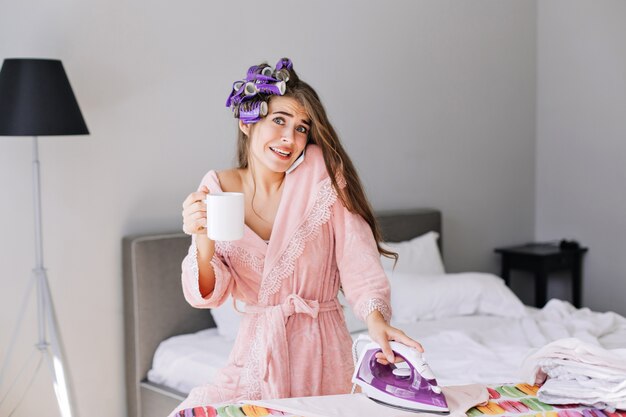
{"type": "Point", "coordinates": [542, 259]}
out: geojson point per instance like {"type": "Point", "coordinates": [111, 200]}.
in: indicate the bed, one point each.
{"type": "Point", "coordinates": [473, 327]}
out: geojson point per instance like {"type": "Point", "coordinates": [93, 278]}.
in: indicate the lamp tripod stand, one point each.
{"type": "Point", "coordinates": [49, 340]}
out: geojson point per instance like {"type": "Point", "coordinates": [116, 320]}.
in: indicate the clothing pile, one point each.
{"type": "Point", "coordinates": [575, 372]}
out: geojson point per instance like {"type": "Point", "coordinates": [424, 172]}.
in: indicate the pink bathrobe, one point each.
{"type": "Point", "coordinates": [293, 340]}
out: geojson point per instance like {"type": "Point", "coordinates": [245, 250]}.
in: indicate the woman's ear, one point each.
{"type": "Point", "coordinates": [245, 128]}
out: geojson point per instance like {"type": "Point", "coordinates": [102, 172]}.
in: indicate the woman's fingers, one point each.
{"type": "Point", "coordinates": [200, 214]}
{"type": "Point", "coordinates": [386, 356]}
{"type": "Point", "coordinates": [387, 352]}
{"type": "Point", "coordinates": [198, 207]}
{"type": "Point", "coordinates": [200, 225]}
{"type": "Point", "coordinates": [194, 202]}
{"type": "Point", "coordinates": [194, 211]}
{"type": "Point", "coordinates": [196, 196]}
{"type": "Point", "coordinates": [403, 338]}
{"type": "Point", "coordinates": [381, 359]}
{"type": "Point", "coordinates": [195, 227]}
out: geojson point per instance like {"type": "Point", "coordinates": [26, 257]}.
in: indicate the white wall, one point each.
{"type": "Point", "coordinates": [435, 101]}
{"type": "Point", "coordinates": [581, 146]}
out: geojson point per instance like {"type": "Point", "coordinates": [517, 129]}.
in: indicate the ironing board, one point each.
{"type": "Point", "coordinates": [504, 400]}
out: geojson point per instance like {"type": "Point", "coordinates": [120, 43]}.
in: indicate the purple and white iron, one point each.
{"type": "Point", "coordinates": [408, 385]}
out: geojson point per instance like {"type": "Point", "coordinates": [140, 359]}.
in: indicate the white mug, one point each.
{"type": "Point", "coordinates": [225, 216]}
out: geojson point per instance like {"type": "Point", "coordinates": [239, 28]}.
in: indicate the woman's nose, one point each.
{"type": "Point", "coordinates": [287, 135]}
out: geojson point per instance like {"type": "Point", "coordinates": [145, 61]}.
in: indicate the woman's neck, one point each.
{"type": "Point", "coordinates": [264, 180]}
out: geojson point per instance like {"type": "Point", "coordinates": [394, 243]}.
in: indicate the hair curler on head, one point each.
{"type": "Point", "coordinates": [248, 97]}
{"type": "Point", "coordinates": [277, 89]}
{"type": "Point", "coordinates": [251, 111]}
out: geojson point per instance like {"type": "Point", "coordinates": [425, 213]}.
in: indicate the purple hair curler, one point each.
{"type": "Point", "coordinates": [251, 111]}
{"type": "Point", "coordinates": [237, 85]}
{"type": "Point", "coordinates": [251, 71]}
{"type": "Point", "coordinates": [260, 78]}
{"type": "Point", "coordinates": [250, 89]}
{"type": "Point", "coordinates": [277, 89]}
{"type": "Point", "coordinates": [284, 63]}
{"type": "Point", "coordinates": [267, 71]}
{"type": "Point", "coordinates": [240, 99]}
{"type": "Point", "coordinates": [235, 93]}
{"type": "Point", "coordinates": [282, 75]}
{"type": "Point", "coordinates": [264, 70]}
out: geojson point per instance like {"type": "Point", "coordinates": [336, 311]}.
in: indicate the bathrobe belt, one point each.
{"type": "Point", "coordinates": [273, 352]}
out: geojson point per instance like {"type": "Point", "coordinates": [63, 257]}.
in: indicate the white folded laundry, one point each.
{"type": "Point", "coordinates": [578, 372]}
{"type": "Point", "coordinates": [571, 369]}
{"type": "Point", "coordinates": [558, 392]}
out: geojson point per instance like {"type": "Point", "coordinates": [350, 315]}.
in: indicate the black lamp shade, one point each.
{"type": "Point", "coordinates": [36, 99]}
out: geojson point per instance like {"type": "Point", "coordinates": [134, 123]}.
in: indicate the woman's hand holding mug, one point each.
{"type": "Point", "coordinates": [226, 219]}
{"type": "Point", "coordinates": [194, 212]}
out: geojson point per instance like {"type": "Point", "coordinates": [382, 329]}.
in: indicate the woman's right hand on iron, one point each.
{"type": "Point", "coordinates": [194, 212]}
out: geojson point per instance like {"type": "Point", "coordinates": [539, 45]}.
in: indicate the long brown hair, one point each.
{"type": "Point", "coordinates": [336, 159]}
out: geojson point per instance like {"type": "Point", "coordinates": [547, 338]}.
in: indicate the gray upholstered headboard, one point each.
{"type": "Point", "coordinates": [154, 307]}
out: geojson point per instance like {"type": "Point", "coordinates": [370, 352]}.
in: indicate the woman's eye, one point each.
{"type": "Point", "coordinates": [279, 120]}
{"type": "Point", "coordinates": [302, 129]}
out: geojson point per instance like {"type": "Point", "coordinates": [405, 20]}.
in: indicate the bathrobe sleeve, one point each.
{"type": "Point", "coordinates": [191, 283]}
{"type": "Point", "coordinates": [190, 274]}
{"type": "Point", "coordinates": [363, 279]}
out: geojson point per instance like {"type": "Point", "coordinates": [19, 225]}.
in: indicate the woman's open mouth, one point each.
{"type": "Point", "coordinates": [282, 154]}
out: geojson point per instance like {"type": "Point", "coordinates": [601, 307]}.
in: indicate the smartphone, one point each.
{"type": "Point", "coordinates": [296, 163]}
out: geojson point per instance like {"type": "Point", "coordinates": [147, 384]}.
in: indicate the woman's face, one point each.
{"type": "Point", "coordinates": [279, 138]}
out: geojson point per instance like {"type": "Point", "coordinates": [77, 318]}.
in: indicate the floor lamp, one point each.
{"type": "Point", "coordinates": [36, 99]}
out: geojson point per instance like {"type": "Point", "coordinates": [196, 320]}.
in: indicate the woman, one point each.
{"type": "Point", "coordinates": [309, 232]}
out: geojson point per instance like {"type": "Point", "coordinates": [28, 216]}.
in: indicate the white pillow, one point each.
{"type": "Point", "coordinates": [419, 255]}
{"type": "Point", "coordinates": [227, 319]}
{"type": "Point", "coordinates": [420, 297]}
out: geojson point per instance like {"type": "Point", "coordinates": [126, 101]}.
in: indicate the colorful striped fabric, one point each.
{"type": "Point", "coordinates": [232, 410]}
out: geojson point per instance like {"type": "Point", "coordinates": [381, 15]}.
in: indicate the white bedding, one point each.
{"type": "Point", "coordinates": [465, 349]}
{"type": "Point", "coordinates": [491, 350]}
{"type": "Point", "coordinates": [186, 361]}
